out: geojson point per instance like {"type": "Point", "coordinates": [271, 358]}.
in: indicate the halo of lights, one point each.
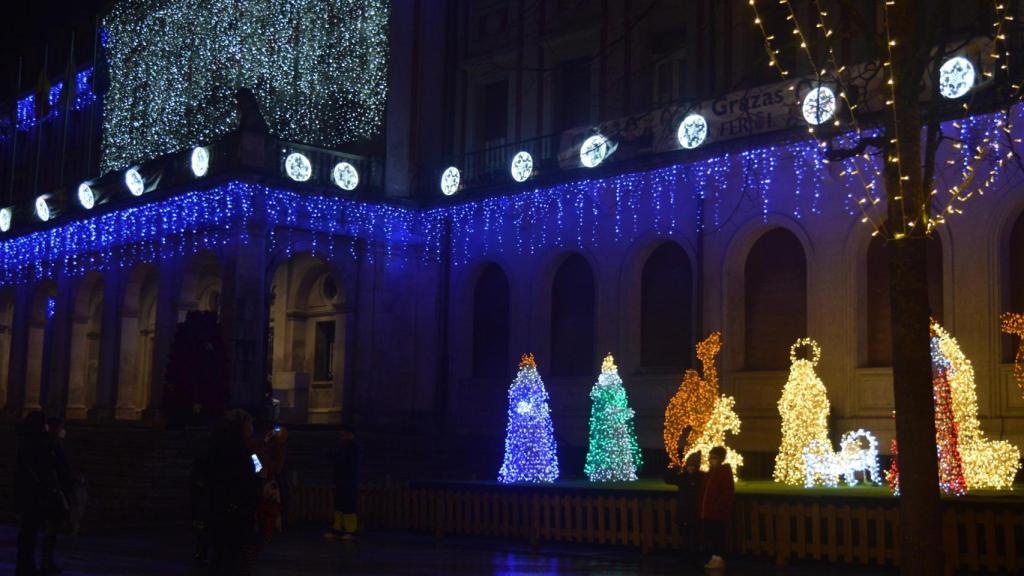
{"type": "Point", "coordinates": [298, 167]}
{"type": "Point", "coordinates": [956, 77]}
{"type": "Point", "coordinates": [134, 181]}
{"type": "Point", "coordinates": [86, 197]}
{"type": "Point", "coordinates": [594, 150]}
{"type": "Point", "coordinates": [819, 105]}
{"type": "Point", "coordinates": [522, 166]}
{"type": "Point", "coordinates": [43, 209]}
{"type": "Point", "coordinates": [200, 161]}
{"type": "Point", "coordinates": [6, 216]}
{"type": "Point", "coordinates": [345, 176]}
{"type": "Point", "coordinates": [693, 130]}
{"type": "Point", "coordinates": [450, 180]}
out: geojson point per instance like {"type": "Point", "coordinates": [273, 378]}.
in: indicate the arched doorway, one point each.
{"type": "Point", "coordinates": [138, 327]}
{"type": "Point", "coordinates": [573, 304]}
{"type": "Point", "coordinates": [307, 329]}
{"type": "Point", "coordinates": [666, 310]}
{"type": "Point", "coordinates": [86, 335]}
{"type": "Point", "coordinates": [490, 338]}
{"type": "Point", "coordinates": [201, 285]}
{"type": "Point", "coordinates": [775, 299]}
{"type": "Point", "coordinates": [877, 340]}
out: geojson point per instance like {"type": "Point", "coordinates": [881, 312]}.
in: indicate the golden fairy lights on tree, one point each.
{"type": "Point", "coordinates": [987, 463]}
{"type": "Point", "coordinates": [701, 413]}
{"type": "Point", "coordinates": [804, 408]}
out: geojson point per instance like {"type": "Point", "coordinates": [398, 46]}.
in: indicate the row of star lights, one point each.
{"type": "Point", "coordinates": [297, 167]}
{"type": "Point", "coordinates": [956, 78]}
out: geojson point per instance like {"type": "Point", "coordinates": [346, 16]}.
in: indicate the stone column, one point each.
{"type": "Point", "coordinates": [54, 393]}
{"type": "Point", "coordinates": [110, 347]}
{"type": "Point", "coordinates": [165, 324]}
{"type": "Point", "coordinates": [19, 349]}
{"type": "Point", "coordinates": [244, 317]}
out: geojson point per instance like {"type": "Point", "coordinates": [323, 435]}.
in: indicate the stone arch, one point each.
{"type": "Point", "coordinates": [774, 299]}
{"type": "Point", "coordinates": [491, 322]}
{"type": "Point", "coordinates": [138, 330]}
{"type": "Point", "coordinates": [734, 262]}
{"type": "Point", "coordinates": [307, 330]}
{"type": "Point", "coordinates": [86, 336]}
{"type": "Point", "coordinates": [41, 320]}
{"type": "Point", "coordinates": [875, 324]}
{"type": "Point", "coordinates": [201, 285]}
{"type": "Point", "coordinates": [1010, 274]}
{"type": "Point", "coordinates": [573, 317]}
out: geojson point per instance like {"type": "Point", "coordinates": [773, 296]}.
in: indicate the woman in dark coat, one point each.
{"type": "Point", "coordinates": [234, 492]}
{"type": "Point", "coordinates": [689, 482]}
{"type": "Point", "coordinates": [35, 487]}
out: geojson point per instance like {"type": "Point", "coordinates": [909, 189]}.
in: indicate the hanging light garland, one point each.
{"type": "Point", "coordinates": [175, 66]}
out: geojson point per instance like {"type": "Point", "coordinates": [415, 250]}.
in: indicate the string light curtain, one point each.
{"type": "Point", "coordinates": [317, 67]}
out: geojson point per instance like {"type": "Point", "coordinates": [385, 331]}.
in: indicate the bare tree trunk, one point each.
{"type": "Point", "coordinates": [920, 531]}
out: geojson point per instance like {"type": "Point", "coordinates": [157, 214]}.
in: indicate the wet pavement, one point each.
{"type": "Point", "coordinates": [305, 552]}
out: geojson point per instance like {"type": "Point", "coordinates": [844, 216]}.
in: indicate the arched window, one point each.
{"type": "Point", "coordinates": [1015, 289]}
{"type": "Point", "coordinates": [878, 337]}
{"type": "Point", "coordinates": [572, 318]}
{"type": "Point", "coordinates": [666, 309]}
{"type": "Point", "coordinates": [775, 298]}
{"type": "Point", "coordinates": [491, 323]}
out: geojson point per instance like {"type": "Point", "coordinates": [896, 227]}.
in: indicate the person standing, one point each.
{"type": "Point", "coordinates": [234, 492]}
{"type": "Point", "coordinates": [689, 481]}
{"type": "Point", "coordinates": [716, 506]}
{"type": "Point", "coordinates": [35, 485]}
{"type": "Point", "coordinates": [59, 506]}
{"type": "Point", "coordinates": [345, 459]}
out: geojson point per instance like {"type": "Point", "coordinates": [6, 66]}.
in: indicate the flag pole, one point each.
{"type": "Point", "coordinates": [39, 128]}
{"type": "Point", "coordinates": [69, 78]}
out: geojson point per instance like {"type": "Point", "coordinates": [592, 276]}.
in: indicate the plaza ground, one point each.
{"type": "Point", "coordinates": [305, 552]}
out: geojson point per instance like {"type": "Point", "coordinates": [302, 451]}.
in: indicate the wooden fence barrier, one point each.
{"type": "Point", "coordinates": [980, 534]}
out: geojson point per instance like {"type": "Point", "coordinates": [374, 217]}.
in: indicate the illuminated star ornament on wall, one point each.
{"type": "Point", "coordinates": [175, 66]}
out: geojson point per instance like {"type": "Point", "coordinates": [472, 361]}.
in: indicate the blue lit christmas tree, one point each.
{"type": "Point", "coordinates": [530, 451]}
{"type": "Point", "coordinates": [614, 454]}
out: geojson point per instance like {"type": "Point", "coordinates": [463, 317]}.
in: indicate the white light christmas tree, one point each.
{"type": "Point", "coordinates": [317, 67]}
{"type": "Point", "coordinates": [614, 454]}
{"type": "Point", "coordinates": [531, 454]}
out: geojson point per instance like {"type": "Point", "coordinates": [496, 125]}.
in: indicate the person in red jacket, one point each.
{"type": "Point", "coordinates": [715, 506]}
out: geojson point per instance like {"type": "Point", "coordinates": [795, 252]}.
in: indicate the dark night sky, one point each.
{"type": "Point", "coordinates": [32, 25]}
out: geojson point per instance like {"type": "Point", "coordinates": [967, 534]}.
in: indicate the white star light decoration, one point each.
{"type": "Point", "coordinates": [5, 219]}
{"type": "Point", "coordinates": [956, 77]}
{"type": "Point", "coordinates": [135, 182]}
{"type": "Point", "coordinates": [819, 105]}
{"type": "Point", "coordinates": [298, 167]}
{"type": "Point", "coordinates": [693, 130]}
{"type": "Point", "coordinates": [450, 181]}
{"type": "Point", "coordinates": [522, 166]}
{"type": "Point", "coordinates": [200, 161]}
{"type": "Point", "coordinates": [42, 209]}
{"type": "Point", "coordinates": [345, 176]}
{"type": "Point", "coordinates": [594, 150]}
{"type": "Point", "coordinates": [86, 197]}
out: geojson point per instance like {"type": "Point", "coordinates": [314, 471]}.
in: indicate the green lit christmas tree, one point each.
{"type": "Point", "coordinates": [614, 454]}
